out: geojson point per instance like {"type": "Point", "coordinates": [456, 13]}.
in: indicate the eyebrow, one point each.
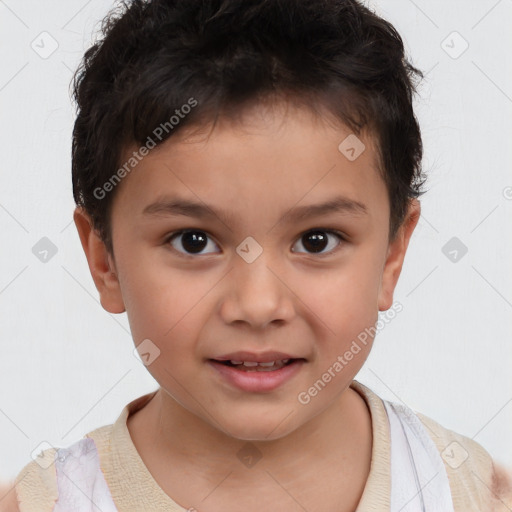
{"type": "Point", "coordinates": [173, 206]}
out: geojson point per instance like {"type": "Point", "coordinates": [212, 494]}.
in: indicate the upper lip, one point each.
{"type": "Point", "coordinates": [262, 357]}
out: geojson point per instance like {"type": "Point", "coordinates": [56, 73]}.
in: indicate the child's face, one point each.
{"type": "Point", "coordinates": [198, 299]}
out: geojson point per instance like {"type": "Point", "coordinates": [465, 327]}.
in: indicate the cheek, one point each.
{"type": "Point", "coordinates": [341, 305]}
{"type": "Point", "coordinates": [168, 308]}
{"type": "Point", "coordinates": [346, 293]}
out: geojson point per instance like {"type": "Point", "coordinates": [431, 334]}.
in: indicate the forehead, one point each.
{"type": "Point", "coordinates": [267, 162]}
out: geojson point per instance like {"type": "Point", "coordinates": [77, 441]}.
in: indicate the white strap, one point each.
{"type": "Point", "coordinates": [419, 482]}
{"type": "Point", "coordinates": [80, 481]}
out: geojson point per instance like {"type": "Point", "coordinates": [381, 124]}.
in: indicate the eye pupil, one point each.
{"type": "Point", "coordinates": [316, 240]}
{"type": "Point", "coordinates": [194, 241]}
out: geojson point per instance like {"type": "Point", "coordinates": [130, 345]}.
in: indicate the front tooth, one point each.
{"type": "Point", "coordinates": [271, 363]}
{"type": "Point", "coordinates": [236, 362]}
{"type": "Point", "coordinates": [250, 363]}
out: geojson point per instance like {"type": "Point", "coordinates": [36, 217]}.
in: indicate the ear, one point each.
{"type": "Point", "coordinates": [396, 254]}
{"type": "Point", "coordinates": [101, 263]}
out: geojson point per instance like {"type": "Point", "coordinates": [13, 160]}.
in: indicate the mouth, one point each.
{"type": "Point", "coordinates": [256, 377]}
{"type": "Point", "coordinates": [253, 366]}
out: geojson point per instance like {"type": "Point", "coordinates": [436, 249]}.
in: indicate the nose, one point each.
{"type": "Point", "coordinates": [257, 294]}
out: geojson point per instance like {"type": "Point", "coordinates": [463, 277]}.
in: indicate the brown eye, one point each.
{"type": "Point", "coordinates": [192, 241]}
{"type": "Point", "coordinates": [317, 240]}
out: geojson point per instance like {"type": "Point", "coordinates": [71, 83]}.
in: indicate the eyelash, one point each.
{"type": "Point", "coordinates": [338, 234]}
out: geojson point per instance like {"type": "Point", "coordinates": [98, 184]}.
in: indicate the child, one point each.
{"type": "Point", "coordinates": [247, 178]}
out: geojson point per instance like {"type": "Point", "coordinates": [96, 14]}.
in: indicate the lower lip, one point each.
{"type": "Point", "coordinates": [257, 381]}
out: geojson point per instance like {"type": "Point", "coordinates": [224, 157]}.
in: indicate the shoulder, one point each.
{"type": "Point", "coordinates": [36, 484]}
{"type": "Point", "coordinates": [477, 482]}
{"type": "Point", "coordinates": [8, 497]}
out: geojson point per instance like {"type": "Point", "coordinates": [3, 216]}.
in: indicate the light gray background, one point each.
{"type": "Point", "coordinates": [67, 366]}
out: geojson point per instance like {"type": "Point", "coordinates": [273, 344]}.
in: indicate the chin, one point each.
{"type": "Point", "coordinates": [257, 427]}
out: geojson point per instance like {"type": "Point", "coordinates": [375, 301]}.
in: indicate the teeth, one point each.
{"type": "Point", "coordinates": [254, 363]}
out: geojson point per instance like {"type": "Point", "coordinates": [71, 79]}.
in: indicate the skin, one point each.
{"type": "Point", "coordinates": [8, 497]}
{"type": "Point", "coordinates": [295, 301]}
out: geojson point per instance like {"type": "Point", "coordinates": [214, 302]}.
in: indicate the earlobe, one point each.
{"type": "Point", "coordinates": [101, 263]}
{"type": "Point", "coordinates": [396, 254]}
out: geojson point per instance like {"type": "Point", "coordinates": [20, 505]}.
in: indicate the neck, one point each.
{"type": "Point", "coordinates": [335, 446]}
